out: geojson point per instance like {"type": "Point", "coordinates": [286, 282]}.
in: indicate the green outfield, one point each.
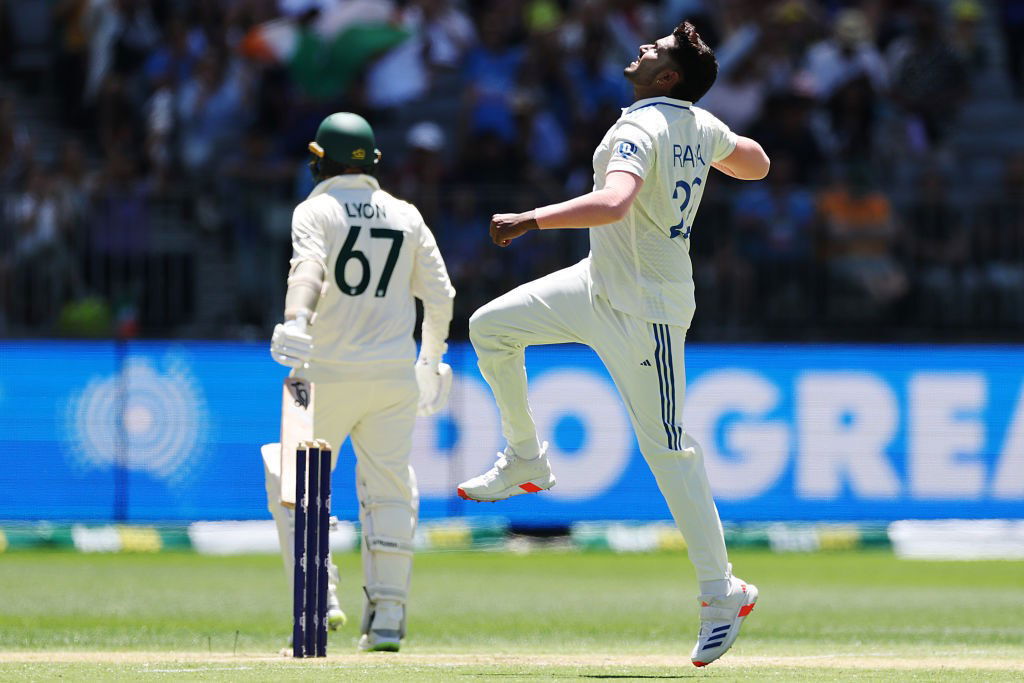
{"type": "Point", "coordinates": [503, 616]}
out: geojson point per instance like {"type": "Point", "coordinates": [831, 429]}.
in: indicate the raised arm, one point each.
{"type": "Point", "coordinates": [747, 161]}
{"type": "Point", "coordinates": [600, 207]}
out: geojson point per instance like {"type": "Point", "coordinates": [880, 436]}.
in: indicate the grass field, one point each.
{"type": "Point", "coordinates": [506, 617]}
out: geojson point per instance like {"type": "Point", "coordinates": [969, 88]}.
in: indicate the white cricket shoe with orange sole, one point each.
{"type": "Point", "coordinates": [510, 476]}
{"type": "Point", "coordinates": [720, 619]}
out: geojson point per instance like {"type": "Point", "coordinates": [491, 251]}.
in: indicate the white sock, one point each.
{"type": "Point", "coordinates": [718, 587]}
{"type": "Point", "coordinates": [526, 450]}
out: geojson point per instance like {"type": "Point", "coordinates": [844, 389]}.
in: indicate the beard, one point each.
{"type": "Point", "coordinates": [636, 74]}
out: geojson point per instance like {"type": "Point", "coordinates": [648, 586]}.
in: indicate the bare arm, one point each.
{"type": "Point", "coordinates": [747, 162]}
{"type": "Point", "coordinates": [600, 207]}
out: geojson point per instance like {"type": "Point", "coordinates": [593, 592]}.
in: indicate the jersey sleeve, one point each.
{"type": "Point", "coordinates": [723, 140]}
{"type": "Point", "coordinates": [309, 239]}
{"type": "Point", "coordinates": [632, 150]}
{"type": "Point", "coordinates": [431, 285]}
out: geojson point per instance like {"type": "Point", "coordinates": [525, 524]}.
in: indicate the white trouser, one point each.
{"type": "Point", "coordinates": [379, 416]}
{"type": "Point", "coordinates": [646, 363]}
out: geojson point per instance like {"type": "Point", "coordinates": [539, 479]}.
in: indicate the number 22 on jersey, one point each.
{"type": "Point", "coordinates": [681, 228]}
{"type": "Point", "coordinates": [350, 253]}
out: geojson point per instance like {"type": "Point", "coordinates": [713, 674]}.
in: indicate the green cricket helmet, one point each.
{"type": "Point", "coordinates": [346, 139]}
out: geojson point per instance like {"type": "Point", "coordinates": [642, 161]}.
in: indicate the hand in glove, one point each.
{"type": "Point", "coordinates": [434, 379]}
{"type": "Point", "coordinates": [291, 345]}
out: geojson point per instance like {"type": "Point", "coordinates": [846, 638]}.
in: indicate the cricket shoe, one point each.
{"type": "Point", "coordinates": [510, 476]}
{"type": "Point", "coordinates": [720, 619]}
{"type": "Point", "coordinates": [386, 629]}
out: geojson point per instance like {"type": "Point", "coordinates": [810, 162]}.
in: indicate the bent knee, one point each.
{"type": "Point", "coordinates": [483, 322]}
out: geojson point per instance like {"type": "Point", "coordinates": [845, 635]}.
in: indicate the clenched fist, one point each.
{"type": "Point", "coordinates": [505, 227]}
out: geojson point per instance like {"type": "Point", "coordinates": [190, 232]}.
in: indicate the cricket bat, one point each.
{"type": "Point", "coordinates": [296, 427]}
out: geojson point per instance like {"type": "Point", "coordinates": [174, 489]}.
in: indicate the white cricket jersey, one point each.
{"type": "Point", "coordinates": [641, 264]}
{"type": "Point", "coordinates": [377, 255]}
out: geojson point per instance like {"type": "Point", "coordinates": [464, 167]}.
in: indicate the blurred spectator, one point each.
{"type": "Point", "coordinates": [940, 252]}
{"type": "Point", "coordinates": [738, 97]}
{"type": "Point", "coordinates": [175, 60]}
{"type": "Point", "coordinates": [491, 163]}
{"type": "Point", "coordinates": [159, 132]}
{"type": "Point", "coordinates": [72, 188]}
{"type": "Point", "coordinates": [117, 121]}
{"type": "Point", "coordinates": [999, 249]}
{"type": "Point", "coordinates": [120, 225]}
{"type": "Point", "coordinates": [135, 37]}
{"type": "Point", "coordinates": [15, 144]}
{"type": "Point", "coordinates": [860, 240]}
{"type": "Point", "coordinates": [540, 132]}
{"type": "Point", "coordinates": [926, 71]}
{"type": "Point", "coordinates": [596, 84]}
{"type": "Point", "coordinates": [36, 216]}
{"type": "Point", "coordinates": [462, 234]}
{"type": "Point", "coordinates": [775, 223]}
{"type": "Point", "coordinates": [211, 112]}
{"type": "Point", "coordinates": [966, 37]}
{"type": "Point", "coordinates": [631, 23]}
{"type": "Point", "coordinates": [440, 33]}
{"type": "Point", "coordinates": [447, 30]}
{"type": "Point", "coordinates": [1012, 24]}
{"type": "Point", "coordinates": [491, 75]}
{"type": "Point", "coordinates": [848, 55]}
{"type": "Point", "coordinates": [789, 30]}
{"type": "Point", "coordinates": [71, 65]}
{"type": "Point", "coordinates": [255, 196]}
{"type": "Point", "coordinates": [119, 238]}
{"type": "Point", "coordinates": [121, 34]}
{"type": "Point", "coordinates": [418, 178]}
{"type": "Point", "coordinates": [35, 269]}
{"type": "Point", "coordinates": [785, 129]}
{"type": "Point", "coordinates": [849, 120]}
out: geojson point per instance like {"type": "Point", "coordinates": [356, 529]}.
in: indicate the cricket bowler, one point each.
{"type": "Point", "coordinates": [360, 257]}
{"type": "Point", "coordinates": [631, 300]}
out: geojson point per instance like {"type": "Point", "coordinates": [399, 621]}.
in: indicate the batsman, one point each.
{"type": "Point", "coordinates": [360, 258]}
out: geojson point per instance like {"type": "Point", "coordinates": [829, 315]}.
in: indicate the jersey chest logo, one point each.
{"type": "Point", "coordinates": [626, 149]}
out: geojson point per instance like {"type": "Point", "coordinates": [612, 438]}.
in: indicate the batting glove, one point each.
{"type": "Point", "coordinates": [291, 345]}
{"type": "Point", "coordinates": [434, 379]}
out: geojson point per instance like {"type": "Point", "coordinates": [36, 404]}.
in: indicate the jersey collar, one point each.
{"type": "Point", "coordinates": [347, 181]}
{"type": "Point", "coordinates": [651, 101]}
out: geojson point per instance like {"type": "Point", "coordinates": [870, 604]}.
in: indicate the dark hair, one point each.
{"type": "Point", "coordinates": [698, 67]}
{"type": "Point", "coordinates": [325, 168]}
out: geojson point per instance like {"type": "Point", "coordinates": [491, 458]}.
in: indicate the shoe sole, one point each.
{"type": "Point", "coordinates": [526, 487]}
{"type": "Point", "coordinates": [737, 622]}
{"type": "Point", "coordinates": [385, 646]}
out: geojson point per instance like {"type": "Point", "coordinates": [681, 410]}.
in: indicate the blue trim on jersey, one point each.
{"type": "Point", "coordinates": [677, 430]}
{"type": "Point", "coordinates": [653, 104]}
{"type": "Point", "coordinates": [661, 381]}
{"type": "Point", "coordinates": [666, 383]}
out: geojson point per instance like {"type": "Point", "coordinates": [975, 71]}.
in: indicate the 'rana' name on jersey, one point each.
{"type": "Point", "coordinates": [683, 154]}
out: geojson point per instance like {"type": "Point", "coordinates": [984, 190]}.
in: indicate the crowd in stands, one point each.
{"type": "Point", "coordinates": [154, 152]}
